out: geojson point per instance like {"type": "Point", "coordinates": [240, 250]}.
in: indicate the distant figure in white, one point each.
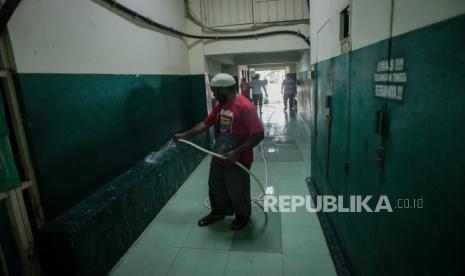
{"type": "Point", "coordinates": [289, 90]}
{"type": "Point", "coordinates": [257, 95]}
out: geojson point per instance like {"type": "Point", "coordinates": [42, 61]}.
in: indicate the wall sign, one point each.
{"type": "Point", "coordinates": [390, 79]}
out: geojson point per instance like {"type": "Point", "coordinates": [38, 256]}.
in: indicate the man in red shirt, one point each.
{"type": "Point", "coordinates": [234, 117]}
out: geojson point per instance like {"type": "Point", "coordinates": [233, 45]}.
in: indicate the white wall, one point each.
{"type": "Point", "coordinates": [212, 66]}
{"type": "Point", "coordinates": [412, 14]}
{"type": "Point", "coordinates": [304, 63]}
{"type": "Point", "coordinates": [371, 21]}
{"type": "Point", "coordinates": [79, 36]}
{"type": "Point", "coordinates": [197, 62]}
{"type": "Point", "coordinates": [230, 69]}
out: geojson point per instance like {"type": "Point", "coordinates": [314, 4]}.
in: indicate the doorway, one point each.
{"type": "Point", "coordinates": [273, 80]}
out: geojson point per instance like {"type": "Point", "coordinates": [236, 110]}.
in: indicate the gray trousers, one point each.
{"type": "Point", "coordinates": [229, 190]}
{"type": "Point", "coordinates": [289, 97]}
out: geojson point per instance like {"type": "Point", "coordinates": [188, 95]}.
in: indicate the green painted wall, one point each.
{"type": "Point", "coordinates": [9, 177]}
{"type": "Point", "coordinates": [92, 236]}
{"type": "Point", "coordinates": [86, 129]}
{"type": "Point", "coordinates": [424, 152]}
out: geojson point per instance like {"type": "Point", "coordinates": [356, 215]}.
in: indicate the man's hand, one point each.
{"type": "Point", "coordinates": [199, 128]}
{"type": "Point", "coordinates": [232, 156]}
{"type": "Point", "coordinates": [178, 136]}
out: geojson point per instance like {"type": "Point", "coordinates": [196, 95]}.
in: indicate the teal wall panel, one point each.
{"type": "Point", "coordinates": [337, 154]}
{"type": "Point", "coordinates": [86, 129]}
{"type": "Point", "coordinates": [424, 150]}
{"type": "Point", "coordinates": [364, 177]}
{"type": "Point", "coordinates": [9, 177]}
{"type": "Point", "coordinates": [335, 182]}
{"type": "Point", "coordinates": [321, 134]}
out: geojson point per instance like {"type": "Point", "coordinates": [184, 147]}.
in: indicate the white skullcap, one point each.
{"type": "Point", "coordinates": [222, 80]}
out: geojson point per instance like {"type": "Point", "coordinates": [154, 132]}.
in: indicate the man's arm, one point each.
{"type": "Point", "coordinates": [199, 128]}
{"type": "Point", "coordinates": [250, 143]}
{"type": "Point", "coordinates": [264, 88]}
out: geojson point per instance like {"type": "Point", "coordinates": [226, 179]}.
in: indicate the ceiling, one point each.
{"type": "Point", "coordinates": [258, 58]}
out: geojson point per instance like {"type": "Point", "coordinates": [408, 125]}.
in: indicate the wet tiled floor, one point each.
{"type": "Point", "coordinates": [272, 244]}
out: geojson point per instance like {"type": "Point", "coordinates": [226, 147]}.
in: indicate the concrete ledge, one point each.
{"type": "Point", "coordinates": [91, 237]}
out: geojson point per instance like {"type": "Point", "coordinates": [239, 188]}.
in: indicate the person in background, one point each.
{"type": "Point", "coordinates": [245, 89]}
{"type": "Point", "coordinates": [234, 118]}
{"type": "Point", "coordinates": [289, 90]}
{"type": "Point", "coordinates": [257, 95]}
{"type": "Point", "coordinates": [265, 83]}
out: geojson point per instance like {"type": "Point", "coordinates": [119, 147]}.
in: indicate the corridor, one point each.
{"type": "Point", "coordinates": [93, 95]}
{"type": "Point", "coordinates": [272, 243]}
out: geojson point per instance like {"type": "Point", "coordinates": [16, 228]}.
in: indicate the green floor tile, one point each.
{"type": "Point", "coordinates": [199, 262]}
{"type": "Point", "coordinates": [165, 234]}
{"type": "Point", "coordinates": [258, 239]}
{"type": "Point", "coordinates": [216, 236]}
{"type": "Point", "coordinates": [282, 177]}
{"type": "Point", "coordinates": [260, 219]}
{"type": "Point", "coordinates": [279, 152]}
{"type": "Point", "coordinates": [199, 178]}
{"type": "Point", "coordinates": [201, 187]}
{"type": "Point", "coordinates": [145, 260]}
{"type": "Point", "coordinates": [289, 187]}
{"type": "Point", "coordinates": [304, 147]}
{"type": "Point", "coordinates": [254, 264]}
{"type": "Point", "coordinates": [308, 264]}
{"type": "Point", "coordinates": [304, 240]}
{"type": "Point", "coordinates": [197, 182]}
{"type": "Point", "coordinates": [300, 218]}
{"type": "Point", "coordinates": [287, 171]}
{"type": "Point", "coordinates": [184, 196]}
{"type": "Point", "coordinates": [279, 139]}
{"type": "Point", "coordinates": [182, 213]}
{"type": "Point", "coordinates": [255, 190]}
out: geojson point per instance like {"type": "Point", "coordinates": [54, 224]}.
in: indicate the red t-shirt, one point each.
{"type": "Point", "coordinates": [245, 89]}
{"type": "Point", "coordinates": [238, 119]}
